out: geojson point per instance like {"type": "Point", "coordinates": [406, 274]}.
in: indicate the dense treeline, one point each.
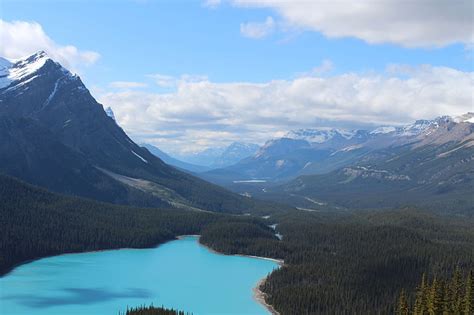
{"type": "Point", "coordinates": [440, 296]}
{"type": "Point", "coordinates": [334, 263]}
{"type": "Point", "coordinates": [36, 223]}
{"type": "Point", "coordinates": [349, 263]}
{"type": "Point", "coordinates": [243, 236]}
{"type": "Point", "coordinates": [153, 310]}
{"type": "Point", "coordinates": [359, 264]}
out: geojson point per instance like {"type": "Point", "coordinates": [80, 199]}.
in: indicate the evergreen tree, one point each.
{"type": "Point", "coordinates": [434, 297]}
{"type": "Point", "coordinates": [468, 303]}
{"type": "Point", "coordinates": [455, 292]}
{"type": "Point", "coordinates": [421, 297]}
{"type": "Point", "coordinates": [446, 307]}
{"type": "Point", "coordinates": [403, 304]}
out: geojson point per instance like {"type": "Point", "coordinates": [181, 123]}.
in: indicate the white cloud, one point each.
{"type": "Point", "coordinates": [163, 80]}
{"type": "Point", "coordinates": [204, 113]}
{"type": "Point", "coordinates": [169, 81]}
{"type": "Point", "coordinates": [211, 3]}
{"type": "Point", "coordinates": [258, 30]}
{"type": "Point", "coordinates": [324, 68]}
{"type": "Point", "coordinates": [127, 85]}
{"type": "Point", "coordinates": [407, 23]}
{"type": "Point", "coordinates": [20, 39]}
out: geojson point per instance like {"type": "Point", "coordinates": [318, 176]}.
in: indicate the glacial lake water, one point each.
{"type": "Point", "coordinates": [180, 274]}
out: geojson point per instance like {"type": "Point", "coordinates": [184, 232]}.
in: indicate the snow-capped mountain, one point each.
{"type": "Point", "coordinates": [234, 153]}
{"type": "Point", "coordinates": [218, 157]}
{"type": "Point", "coordinates": [321, 150]}
{"type": "Point", "coordinates": [428, 162]}
{"type": "Point", "coordinates": [54, 134]}
{"type": "Point", "coordinates": [204, 158]}
{"type": "Point", "coordinates": [383, 130]}
{"type": "Point", "coordinates": [414, 129]}
{"type": "Point", "coordinates": [320, 135]}
{"type": "Point", "coordinates": [173, 161]}
{"type": "Point", "coordinates": [14, 74]}
{"type": "Point", "coordinates": [419, 127]}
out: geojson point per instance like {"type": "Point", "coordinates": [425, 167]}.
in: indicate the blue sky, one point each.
{"type": "Point", "coordinates": [189, 43]}
{"type": "Point", "coordinates": [135, 38]}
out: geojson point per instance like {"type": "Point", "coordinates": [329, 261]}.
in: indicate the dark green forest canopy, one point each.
{"type": "Point", "coordinates": [35, 223]}
{"type": "Point", "coordinates": [334, 262]}
{"type": "Point", "coordinates": [153, 310]}
{"type": "Point", "coordinates": [350, 262]}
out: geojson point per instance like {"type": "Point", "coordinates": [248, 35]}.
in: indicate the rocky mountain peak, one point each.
{"type": "Point", "coordinates": [319, 135]}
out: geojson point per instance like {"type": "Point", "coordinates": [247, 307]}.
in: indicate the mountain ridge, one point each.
{"type": "Point", "coordinates": [319, 151]}
{"type": "Point", "coordinates": [63, 111]}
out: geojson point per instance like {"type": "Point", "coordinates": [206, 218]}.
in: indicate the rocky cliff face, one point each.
{"type": "Point", "coordinates": [48, 115]}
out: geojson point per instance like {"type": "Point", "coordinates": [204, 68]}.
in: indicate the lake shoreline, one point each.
{"type": "Point", "coordinates": [258, 294]}
{"type": "Point", "coordinates": [280, 262]}
{"type": "Point", "coordinates": [7, 271]}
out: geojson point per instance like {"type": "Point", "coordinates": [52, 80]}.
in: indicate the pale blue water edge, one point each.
{"type": "Point", "coordinates": [180, 274]}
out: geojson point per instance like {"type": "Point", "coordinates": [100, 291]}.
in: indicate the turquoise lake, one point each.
{"type": "Point", "coordinates": [180, 274]}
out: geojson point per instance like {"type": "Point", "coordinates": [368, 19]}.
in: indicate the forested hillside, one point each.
{"type": "Point", "coordinates": [36, 223]}
{"type": "Point", "coordinates": [350, 263]}
{"type": "Point", "coordinates": [438, 177]}
{"type": "Point", "coordinates": [334, 263]}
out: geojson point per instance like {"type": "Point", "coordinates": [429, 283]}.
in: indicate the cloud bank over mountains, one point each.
{"type": "Point", "coordinates": [202, 113]}
{"type": "Point", "coordinates": [191, 112]}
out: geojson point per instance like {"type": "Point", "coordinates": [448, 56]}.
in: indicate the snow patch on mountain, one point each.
{"type": "Point", "coordinates": [466, 118]}
{"type": "Point", "coordinates": [347, 149]}
{"type": "Point", "coordinates": [141, 158]}
{"type": "Point", "coordinates": [50, 97]}
{"type": "Point", "coordinates": [319, 135]}
{"type": "Point", "coordinates": [280, 163]}
{"type": "Point", "coordinates": [11, 72]}
{"type": "Point", "coordinates": [418, 127]}
{"type": "Point", "coordinates": [383, 130]}
{"type": "Point", "coordinates": [25, 68]}
{"type": "Point", "coordinates": [110, 113]}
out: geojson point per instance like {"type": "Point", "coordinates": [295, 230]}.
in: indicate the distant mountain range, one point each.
{"type": "Point", "coordinates": [433, 168]}
{"type": "Point", "coordinates": [427, 162]}
{"type": "Point", "coordinates": [175, 162]}
{"type": "Point", "coordinates": [234, 153]}
{"type": "Point", "coordinates": [319, 151]}
{"type": "Point", "coordinates": [54, 134]}
{"type": "Point", "coordinates": [207, 159]}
